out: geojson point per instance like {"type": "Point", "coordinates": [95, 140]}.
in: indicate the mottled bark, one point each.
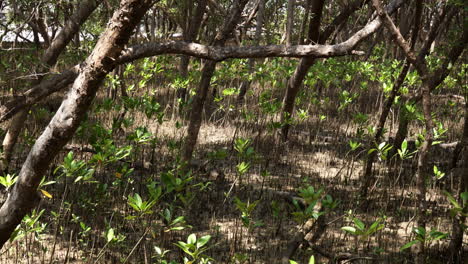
{"type": "Point", "coordinates": [69, 30]}
{"type": "Point", "coordinates": [23, 196]}
{"type": "Point", "coordinates": [49, 59]}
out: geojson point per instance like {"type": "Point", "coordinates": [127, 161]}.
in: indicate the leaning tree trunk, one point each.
{"type": "Point", "coordinates": [430, 80]}
{"type": "Point", "coordinates": [404, 121]}
{"type": "Point", "coordinates": [49, 59]}
{"type": "Point", "coordinates": [296, 80]}
{"type": "Point", "coordinates": [258, 34]}
{"type": "Point", "coordinates": [204, 85]}
{"type": "Point", "coordinates": [23, 197]}
{"type": "Point", "coordinates": [367, 177]}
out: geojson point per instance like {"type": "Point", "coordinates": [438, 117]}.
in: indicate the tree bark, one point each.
{"type": "Point", "coordinates": [189, 36]}
{"type": "Point", "coordinates": [258, 34]}
{"type": "Point", "coordinates": [289, 21]}
{"type": "Point", "coordinates": [61, 128]}
{"type": "Point", "coordinates": [456, 244]}
{"type": "Point", "coordinates": [204, 85]}
{"type": "Point", "coordinates": [304, 22]}
{"type": "Point", "coordinates": [429, 82]}
{"type": "Point", "coordinates": [367, 177]}
{"type": "Point", "coordinates": [296, 80]}
{"type": "Point", "coordinates": [49, 59]}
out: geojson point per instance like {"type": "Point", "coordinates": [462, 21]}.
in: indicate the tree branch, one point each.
{"type": "Point", "coordinates": [216, 53]}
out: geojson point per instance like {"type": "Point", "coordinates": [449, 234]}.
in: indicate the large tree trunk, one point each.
{"type": "Point", "coordinates": [204, 85]}
{"type": "Point", "coordinates": [61, 128]}
{"type": "Point", "coordinates": [49, 59]}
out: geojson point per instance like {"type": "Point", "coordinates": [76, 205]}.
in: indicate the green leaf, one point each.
{"type": "Point", "coordinates": [408, 245]}
{"type": "Point", "coordinates": [452, 199]}
{"type": "Point", "coordinates": [360, 225]}
{"type": "Point", "coordinates": [110, 235]}
{"type": "Point", "coordinates": [349, 229]}
{"type": "Point", "coordinates": [203, 240]}
{"type": "Point", "coordinates": [312, 260]}
{"type": "Point", "coordinates": [420, 231]}
{"type": "Point", "coordinates": [404, 145]}
{"type": "Point", "coordinates": [192, 239]}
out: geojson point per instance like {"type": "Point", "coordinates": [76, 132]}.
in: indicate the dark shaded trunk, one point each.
{"type": "Point", "coordinates": [189, 36]}
{"type": "Point", "coordinates": [422, 171]}
{"type": "Point", "coordinates": [289, 21]}
{"type": "Point", "coordinates": [456, 244]}
{"type": "Point", "coordinates": [23, 196]}
{"type": "Point", "coordinates": [304, 22]}
{"type": "Point", "coordinates": [404, 120]}
{"type": "Point", "coordinates": [430, 80]}
{"type": "Point", "coordinates": [296, 80]}
{"type": "Point", "coordinates": [367, 177]}
{"type": "Point", "coordinates": [245, 86]}
{"type": "Point", "coordinates": [204, 85]}
{"type": "Point", "coordinates": [197, 109]}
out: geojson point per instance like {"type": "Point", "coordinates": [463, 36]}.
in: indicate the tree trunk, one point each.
{"type": "Point", "coordinates": [49, 59]}
{"type": "Point", "coordinates": [367, 177]}
{"type": "Point", "coordinates": [61, 128]}
{"type": "Point", "coordinates": [422, 169]}
{"type": "Point", "coordinates": [204, 85]}
{"type": "Point", "coordinates": [296, 80]}
{"type": "Point", "coordinates": [458, 222]}
{"type": "Point", "coordinates": [189, 36]}
{"type": "Point", "coordinates": [289, 21]}
{"type": "Point", "coordinates": [245, 86]}
{"type": "Point", "coordinates": [304, 22]}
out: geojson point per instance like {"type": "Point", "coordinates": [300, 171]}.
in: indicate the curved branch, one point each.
{"type": "Point", "coordinates": [217, 53]}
